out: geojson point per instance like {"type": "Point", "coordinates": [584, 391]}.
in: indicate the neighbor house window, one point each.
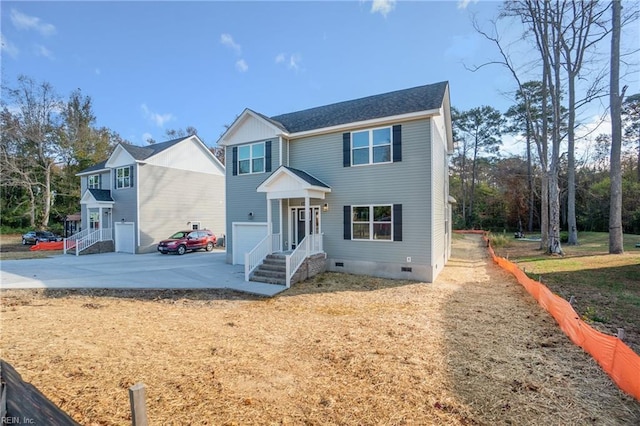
{"type": "Point", "coordinates": [372, 222]}
{"type": "Point", "coordinates": [123, 177]}
{"type": "Point", "coordinates": [94, 220]}
{"type": "Point", "coordinates": [94, 182]}
{"type": "Point", "coordinates": [251, 158]}
{"type": "Point", "coordinates": [371, 146]}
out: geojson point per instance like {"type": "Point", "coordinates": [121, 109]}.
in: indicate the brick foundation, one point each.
{"type": "Point", "coordinates": [312, 266]}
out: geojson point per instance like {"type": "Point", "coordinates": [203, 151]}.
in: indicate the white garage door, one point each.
{"type": "Point", "coordinates": [245, 238]}
{"type": "Point", "coordinates": [124, 238]}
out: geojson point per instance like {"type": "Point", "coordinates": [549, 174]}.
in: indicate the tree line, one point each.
{"type": "Point", "coordinates": [567, 38]}
{"type": "Point", "coordinates": [503, 192]}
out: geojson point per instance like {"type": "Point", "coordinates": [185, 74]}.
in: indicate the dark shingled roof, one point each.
{"type": "Point", "coordinates": [143, 152]}
{"type": "Point", "coordinates": [138, 152]}
{"type": "Point", "coordinates": [421, 98]}
{"type": "Point", "coordinates": [98, 166]}
{"type": "Point", "coordinates": [307, 177]}
{"type": "Point", "coordinates": [101, 194]}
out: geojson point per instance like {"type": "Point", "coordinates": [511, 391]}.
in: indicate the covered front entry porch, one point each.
{"type": "Point", "coordinates": [97, 224]}
{"type": "Point", "coordinates": [303, 223]}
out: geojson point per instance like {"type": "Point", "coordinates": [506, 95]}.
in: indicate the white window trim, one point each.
{"type": "Point", "coordinates": [251, 158]}
{"type": "Point", "coordinates": [371, 223]}
{"type": "Point", "coordinates": [97, 184]}
{"type": "Point", "coordinates": [118, 179]}
{"type": "Point", "coordinates": [371, 146]}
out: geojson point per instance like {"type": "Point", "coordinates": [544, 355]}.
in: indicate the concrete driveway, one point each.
{"type": "Point", "coordinates": [196, 270]}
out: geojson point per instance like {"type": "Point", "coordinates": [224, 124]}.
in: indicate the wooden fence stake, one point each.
{"type": "Point", "coordinates": [621, 333]}
{"type": "Point", "coordinates": [572, 300]}
{"type": "Point", "coordinates": [138, 405]}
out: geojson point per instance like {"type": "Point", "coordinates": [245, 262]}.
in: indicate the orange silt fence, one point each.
{"type": "Point", "coordinates": [617, 359]}
{"type": "Point", "coordinates": [56, 245]}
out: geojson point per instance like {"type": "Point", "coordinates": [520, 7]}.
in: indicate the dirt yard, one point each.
{"type": "Point", "coordinates": [471, 349]}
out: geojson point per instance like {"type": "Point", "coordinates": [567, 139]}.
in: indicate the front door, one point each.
{"type": "Point", "coordinates": [297, 224]}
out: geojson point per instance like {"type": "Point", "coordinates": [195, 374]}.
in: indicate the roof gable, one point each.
{"type": "Point", "coordinates": [119, 157]}
{"type": "Point", "coordinates": [251, 126]}
{"type": "Point", "coordinates": [287, 182]}
{"type": "Point", "coordinates": [188, 153]}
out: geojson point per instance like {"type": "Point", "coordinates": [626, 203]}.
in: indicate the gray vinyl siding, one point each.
{"type": "Point", "coordinates": [407, 182]}
{"type": "Point", "coordinates": [243, 197]}
{"type": "Point", "coordinates": [170, 198]}
{"type": "Point", "coordinates": [125, 201]}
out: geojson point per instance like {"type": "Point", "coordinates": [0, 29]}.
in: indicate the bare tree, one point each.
{"type": "Point", "coordinates": [33, 150]}
{"type": "Point", "coordinates": [615, 208]}
{"type": "Point", "coordinates": [540, 128]}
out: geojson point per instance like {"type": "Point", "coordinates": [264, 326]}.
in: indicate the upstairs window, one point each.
{"type": "Point", "coordinates": [123, 177]}
{"type": "Point", "coordinates": [93, 182]}
{"type": "Point", "coordinates": [251, 158]}
{"type": "Point", "coordinates": [371, 146]}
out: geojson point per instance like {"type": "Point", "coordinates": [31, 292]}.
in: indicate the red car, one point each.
{"type": "Point", "coordinates": [182, 241]}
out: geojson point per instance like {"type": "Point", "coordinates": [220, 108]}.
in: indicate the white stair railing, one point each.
{"type": "Point", "coordinates": [70, 242]}
{"type": "Point", "coordinates": [255, 257]}
{"type": "Point", "coordinates": [88, 239]}
{"type": "Point", "coordinates": [295, 259]}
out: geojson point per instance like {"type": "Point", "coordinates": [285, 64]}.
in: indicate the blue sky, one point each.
{"type": "Point", "coordinates": [153, 65]}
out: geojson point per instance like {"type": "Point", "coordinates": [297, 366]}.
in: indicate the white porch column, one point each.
{"type": "Point", "coordinates": [307, 218]}
{"type": "Point", "coordinates": [269, 225]}
{"type": "Point", "coordinates": [100, 218]}
{"type": "Point", "coordinates": [282, 221]}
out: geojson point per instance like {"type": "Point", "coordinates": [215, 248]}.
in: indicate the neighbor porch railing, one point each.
{"type": "Point", "coordinates": [87, 238]}
{"type": "Point", "coordinates": [266, 246]}
{"type": "Point", "coordinates": [72, 241]}
{"type": "Point", "coordinates": [295, 259]}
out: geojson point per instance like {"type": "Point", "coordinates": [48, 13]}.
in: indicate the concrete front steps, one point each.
{"type": "Point", "coordinates": [273, 270]}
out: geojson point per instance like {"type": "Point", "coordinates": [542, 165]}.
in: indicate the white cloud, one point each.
{"type": "Point", "coordinates": [462, 4]}
{"type": "Point", "coordinates": [383, 7]}
{"type": "Point", "coordinates": [26, 22]}
{"type": "Point", "coordinates": [242, 66]}
{"type": "Point", "coordinates": [43, 51]}
{"type": "Point", "coordinates": [146, 136]}
{"type": "Point", "coordinates": [227, 40]}
{"type": "Point", "coordinates": [8, 47]}
{"type": "Point", "coordinates": [291, 61]}
{"type": "Point", "coordinates": [294, 61]}
{"type": "Point", "coordinates": [158, 119]}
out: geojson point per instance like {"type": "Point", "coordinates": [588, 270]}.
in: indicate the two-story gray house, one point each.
{"type": "Point", "coordinates": [366, 181]}
{"type": "Point", "coordinates": [141, 195]}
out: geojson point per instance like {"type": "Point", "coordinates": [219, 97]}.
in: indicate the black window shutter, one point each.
{"type": "Point", "coordinates": [115, 178]}
{"type": "Point", "coordinates": [397, 143]}
{"type": "Point", "coordinates": [235, 160]}
{"type": "Point", "coordinates": [346, 151]}
{"type": "Point", "coordinates": [131, 169]}
{"type": "Point", "coordinates": [397, 222]}
{"type": "Point", "coordinates": [267, 156]}
{"type": "Point", "coordinates": [347, 222]}
{"type": "Point", "coordinates": [99, 181]}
